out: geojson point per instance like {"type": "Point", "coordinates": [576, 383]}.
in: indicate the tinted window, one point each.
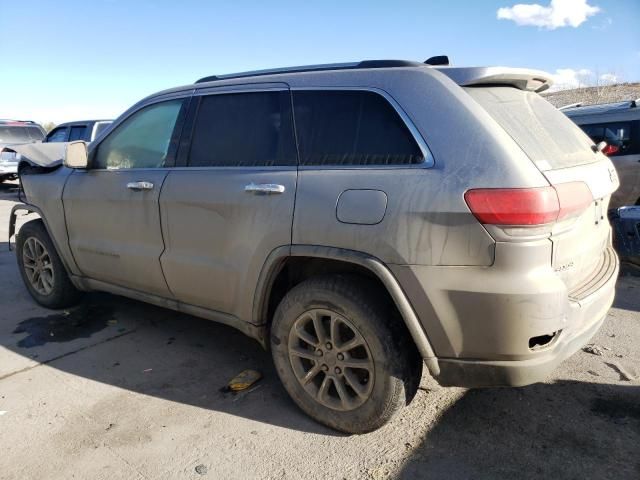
{"type": "Point", "coordinates": [243, 130]}
{"type": "Point", "coordinates": [17, 134]}
{"type": "Point", "coordinates": [142, 140]}
{"type": "Point", "coordinates": [617, 134]}
{"type": "Point", "coordinates": [351, 128]}
{"type": "Point", "coordinates": [77, 133]}
{"type": "Point", "coordinates": [57, 135]}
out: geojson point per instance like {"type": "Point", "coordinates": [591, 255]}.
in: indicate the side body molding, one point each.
{"type": "Point", "coordinates": [277, 258]}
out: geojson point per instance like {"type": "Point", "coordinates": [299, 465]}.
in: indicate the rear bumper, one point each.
{"type": "Point", "coordinates": [480, 321]}
{"type": "Point", "coordinates": [515, 373]}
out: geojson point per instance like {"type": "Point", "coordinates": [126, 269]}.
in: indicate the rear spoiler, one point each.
{"type": "Point", "coordinates": [522, 78]}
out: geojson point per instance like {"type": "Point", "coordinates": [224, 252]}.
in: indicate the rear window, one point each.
{"type": "Point", "coordinates": [544, 133]}
{"type": "Point", "coordinates": [19, 134]}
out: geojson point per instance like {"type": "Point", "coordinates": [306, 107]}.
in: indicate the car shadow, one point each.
{"type": "Point", "coordinates": [567, 429]}
{"type": "Point", "coordinates": [629, 302]}
{"type": "Point", "coordinates": [145, 349]}
{"type": "Point", "coordinates": [158, 352]}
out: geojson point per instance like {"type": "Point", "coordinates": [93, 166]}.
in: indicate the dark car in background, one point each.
{"type": "Point", "coordinates": [16, 132]}
{"type": "Point", "coordinates": [617, 124]}
{"type": "Point", "coordinates": [87, 130]}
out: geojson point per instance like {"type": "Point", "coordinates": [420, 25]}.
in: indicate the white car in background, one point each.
{"type": "Point", "coordinates": [16, 132]}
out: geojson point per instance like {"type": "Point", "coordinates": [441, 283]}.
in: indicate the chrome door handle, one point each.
{"type": "Point", "coordinates": [140, 186]}
{"type": "Point", "coordinates": [264, 188]}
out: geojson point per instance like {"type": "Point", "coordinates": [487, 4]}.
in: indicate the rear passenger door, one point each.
{"type": "Point", "coordinates": [229, 201]}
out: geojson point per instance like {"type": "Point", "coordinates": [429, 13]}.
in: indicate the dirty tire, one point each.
{"type": "Point", "coordinates": [62, 293]}
{"type": "Point", "coordinates": [396, 365]}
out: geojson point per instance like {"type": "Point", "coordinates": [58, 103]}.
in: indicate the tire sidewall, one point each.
{"type": "Point", "coordinates": [367, 319]}
{"type": "Point", "coordinates": [37, 231]}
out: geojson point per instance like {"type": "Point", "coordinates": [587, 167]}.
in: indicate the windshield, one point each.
{"type": "Point", "coordinates": [544, 133]}
{"type": "Point", "coordinates": [19, 134]}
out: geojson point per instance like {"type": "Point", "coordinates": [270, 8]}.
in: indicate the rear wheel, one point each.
{"type": "Point", "coordinates": [42, 270]}
{"type": "Point", "coordinates": [341, 355]}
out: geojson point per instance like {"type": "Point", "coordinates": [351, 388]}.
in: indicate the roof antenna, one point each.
{"type": "Point", "coordinates": [437, 60]}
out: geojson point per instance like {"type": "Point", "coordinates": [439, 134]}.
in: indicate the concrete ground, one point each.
{"type": "Point", "coordinates": [116, 389]}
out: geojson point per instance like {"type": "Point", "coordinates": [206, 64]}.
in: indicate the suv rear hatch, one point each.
{"type": "Point", "coordinates": [583, 179]}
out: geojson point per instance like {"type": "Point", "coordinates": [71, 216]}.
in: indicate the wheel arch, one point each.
{"type": "Point", "coordinates": [267, 287]}
{"type": "Point", "coordinates": [26, 207]}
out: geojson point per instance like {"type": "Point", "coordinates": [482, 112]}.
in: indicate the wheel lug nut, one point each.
{"type": "Point", "coordinates": [340, 356]}
{"type": "Point", "coordinates": [318, 352]}
{"type": "Point", "coordinates": [329, 346]}
{"type": "Point", "coordinates": [337, 370]}
{"type": "Point", "coordinates": [325, 367]}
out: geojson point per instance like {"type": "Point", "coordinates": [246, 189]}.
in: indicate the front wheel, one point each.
{"type": "Point", "coordinates": [41, 269]}
{"type": "Point", "coordinates": [341, 354]}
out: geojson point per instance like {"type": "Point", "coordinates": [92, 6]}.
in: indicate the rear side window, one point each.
{"type": "Point", "coordinates": [351, 128]}
{"type": "Point", "coordinates": [243, 130]}
{"type": "Point", "coordinates": [77, 133]}
{"type": "Point", "coordinates": [142, 140]}
{"type": "Point", "coordinates": [617, 134]}
{"type": "Point", "coordinates": [548, 137]}
{"type": "Point", "coordinates": [57, 135]}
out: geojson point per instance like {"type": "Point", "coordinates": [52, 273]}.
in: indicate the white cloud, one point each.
{"type": "Point", "coordinates": [608, 78]}
{"type": "Point", "coordinates": [559, 13]}
{"type": "Point", "coordinates": [565, 78]}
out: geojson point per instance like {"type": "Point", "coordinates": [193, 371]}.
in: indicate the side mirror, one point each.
{"type": "Point", "coordinates": [75, 155]}
{"type": "Point", "coordinates": [601, 145]}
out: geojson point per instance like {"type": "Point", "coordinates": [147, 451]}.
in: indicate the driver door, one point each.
{"type": "Point", "coordinates": [111, 209]}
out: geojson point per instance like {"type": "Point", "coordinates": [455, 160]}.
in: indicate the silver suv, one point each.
{"type": "Point", "coordinates": [357, 220]}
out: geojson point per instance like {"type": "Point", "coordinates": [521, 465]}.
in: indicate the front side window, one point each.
{"type": "Point", "coordinates": [351, 128]}
{"type": "Point", "coordinates": [142, 140]}
{"type": "Point", "coordinates": [57, 135]}
{"type": "Point", "coordinates": [77, 133]}
{"type": "Point", "coordinates": [243, 130]}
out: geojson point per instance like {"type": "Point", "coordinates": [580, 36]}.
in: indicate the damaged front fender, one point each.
{"type": "Point", "coordinates": [45, 155]}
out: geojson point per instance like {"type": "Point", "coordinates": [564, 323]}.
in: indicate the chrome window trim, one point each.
{"type": "Point", "coordinates": [428, 161]}
{"type": "Point", "coordinates": [95, 127]}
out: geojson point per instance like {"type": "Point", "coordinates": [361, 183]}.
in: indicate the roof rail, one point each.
{"type": "Point", "coordinates": [571, 105]}
{"type": "Point", "coordinates": [316, 68]}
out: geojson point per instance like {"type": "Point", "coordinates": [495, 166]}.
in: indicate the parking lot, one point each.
{"type": "Point", "coordinates": [119, 389]}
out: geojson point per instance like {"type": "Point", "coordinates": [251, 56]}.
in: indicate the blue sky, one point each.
{"type": "Point", "coordinates": [64, 60]}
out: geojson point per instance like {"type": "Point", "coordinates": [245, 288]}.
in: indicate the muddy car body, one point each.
{"type": "Point", "coordinates": [353, 218]}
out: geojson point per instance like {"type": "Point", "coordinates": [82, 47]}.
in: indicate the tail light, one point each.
{"type": "Point", "coordinates": [610, 149]}
{"type": "Point", "coordinates": [528, 206]}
